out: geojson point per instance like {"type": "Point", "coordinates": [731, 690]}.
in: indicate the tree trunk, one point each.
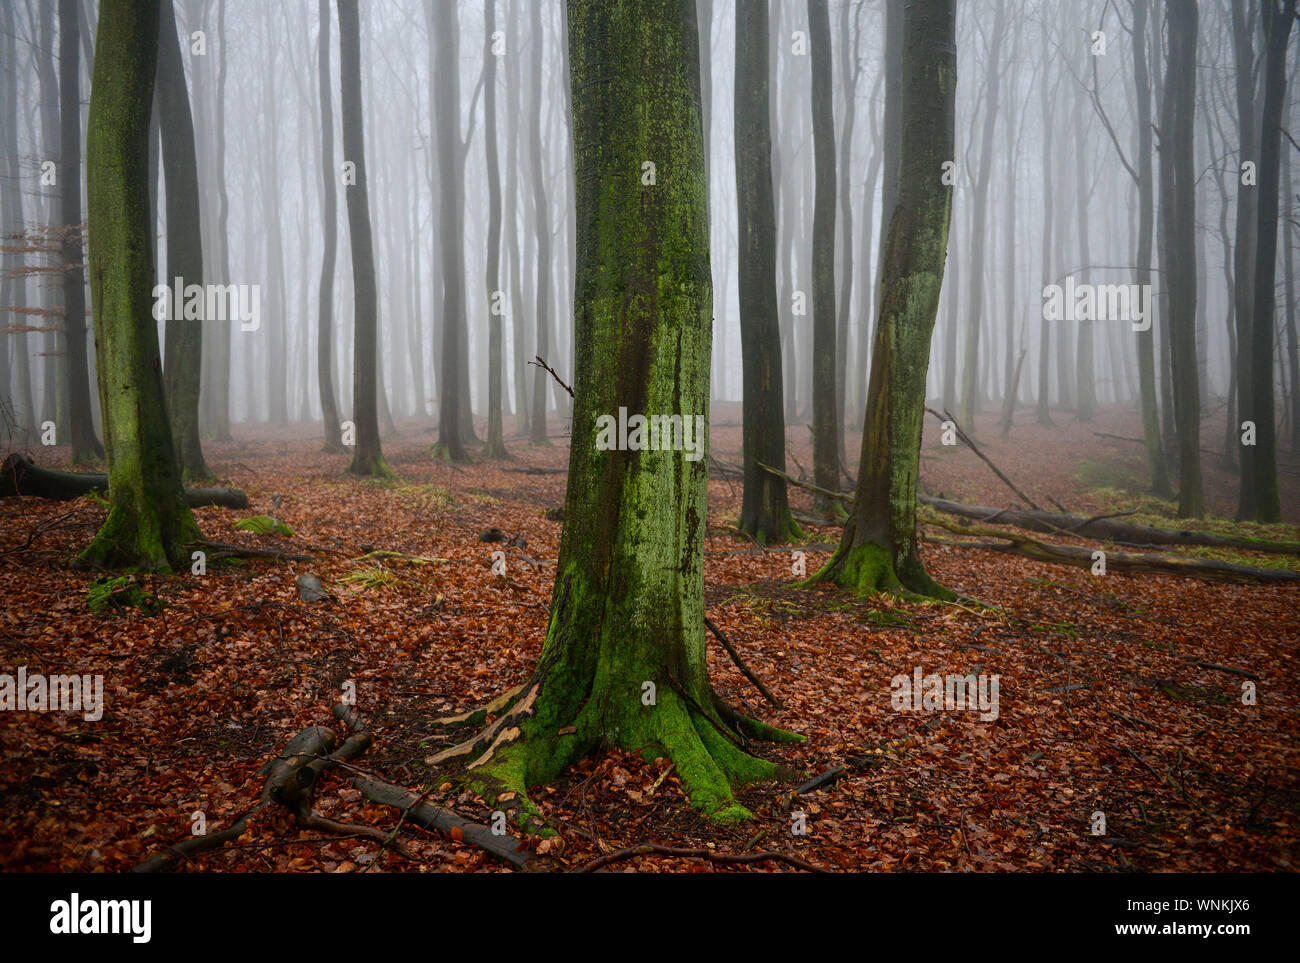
{"type": "Point", "coordinates": [329, 180]}
{"type": "Point", "coordinates": [765, 511]}
{"type": "Point", "coordinates": [879, 546]}
{"type": "Point", "coordinates": [368, 457]}
{"type": "Point", "coordinates": [183, 348]}
{"type": "Point", "coordinates": [624, 659]}
{"type": "Point", "coordinates": [85, 446]}
{"type": "Point", "coordinates": [826, 465]}
{"type": "Point", "coordinates": [1279, 15]}
{"type": "Point", "coordinates": [149, 524]}
{"type": "Point", "coordinates": [496, 446]}
{"type": "Point", "coordinates": [542, 221]}
{"type": "Point", "coordinates": [1178, 225]}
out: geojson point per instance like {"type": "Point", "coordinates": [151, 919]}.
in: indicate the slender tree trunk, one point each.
{"type": "Point", "coordinates": [537, 421]}
{"type": "Point", "coordinates": [329, 180]}
{"type": "Point", "coordinates": [496, 446]}
{"type": "Point", "coordinates": [765, 512]}
{"type": "Point", "coordinates": [826, 466]}
{"type": "Point", "coordinates": [368, 457]}
{"type": "Point", "coordinates": [149, 524]}
{"type": "Point", "coordinates": [182, 358]}
{"type": "Point", "coordinates": [1278, 15]}
{"type": "Point", "coordinates": [1178, 225]}
{"type": "Point", "coordinates": [879, 547]}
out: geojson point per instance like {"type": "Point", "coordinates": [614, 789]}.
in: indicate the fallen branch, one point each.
{"type": "Point", "coordinates": [20, 476]}
{"type": "Point", "coordinates": [740, 663]}
{"type": "Point", "coordinates": [947, 416]}
{"type": "Point", "coordinates": [647, 849]}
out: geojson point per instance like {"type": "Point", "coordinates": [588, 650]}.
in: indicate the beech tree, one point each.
{"type": "Point", "coordinates": [495, 446]}
{"type": "Point", "coordinates": [765, 512]}
{"type": "Point", "coordinates": [149, 523]}
{"type": "Point", "coordinates": [85, 445]}
{"type": "Point", "coordinates": [368, 457]}
{"type": "Point", "coordinates": [878, 549]}
{"type": "Point", "coordinates": [183, 347]}
{"type": "Point", "coordinates": [624, 660]}
{"type": "Point", "coordinates": [329, 211]}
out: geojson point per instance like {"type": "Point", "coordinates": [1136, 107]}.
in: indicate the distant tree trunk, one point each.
{"type": "Point", "coordinates": [85, 446]}
{"type": "Point", "coordinates": [368, 457]}
{"type": "Point", "coordinates": [628, 606]}
{"type": "Point", "coordinates": [1178, 225]}
{"type": "Point", "coordinates": [183, 348]}
{"type": "Point", "coordinates": [514, 212]}
{"type": "Point", "coordinates": [218, 388]}
{"type": "Point", "coordinates": [879, 547]}
{"type": "Point", "coordinates": [1287, 225]}
{"type": "Point", "coordinates": [849, 70]}
{"type": "Point", "coordinates": [1278, 15]}
{"type": "Point", "coordinates": [1160, 484]}
{"type": "Point", "coordinates": [1047, 102]}
{"type": "Point", "coordinates": [826, 465]}
{"type": "Point", "coordinates": [866, 264]}
{"type": "Point", "coordinates": [765, 512]}
{"type": "Point", "coordinates": [980, 205]}
{"type": "Point", "coordinates": [149, 524]}
{"type": "Point", "coordinates": [1244, 22]}
{"type": "Point", "coordinates": [329, 178]}
{"type": "Point", "coordinates": [13, 289]}
{"type": "Point", "coordinates": [496, 446]}
{"type": "Point", "coordinates": [53, 383]}
{"type": "Point", "coordinates": [537, 421]}
{"type": "Point", "coordinates": [443, 36]}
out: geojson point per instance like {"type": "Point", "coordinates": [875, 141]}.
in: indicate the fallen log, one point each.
{"type": "Point", "coordinates": [1133, 562]}
{"type": "Point", "coordinates": [504, 847]}
{"type": "Point", "coordinates": [1102, 527]}
{"type": "Point", "coordinates": [20, 476]}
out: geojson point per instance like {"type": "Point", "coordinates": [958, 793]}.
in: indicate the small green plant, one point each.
{"type": "Point", "coordinates": [265, 525]}
{"type": "Point", "coordinates": [368, 578]}
{"type": "Point", "coordinates": [117, 594]}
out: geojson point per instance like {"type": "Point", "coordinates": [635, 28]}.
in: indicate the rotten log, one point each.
{"type": "Point", "coordinates": [1102, 527]}
{"type": "Point", "coordinates": [20, 476]}
{"type": "Point", "coordinates": [1132, 562]}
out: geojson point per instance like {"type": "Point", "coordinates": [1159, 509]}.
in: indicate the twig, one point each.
{"type": "Point", "coordinates": [647, 849]}
{"type": "Point", "coordinates": [740, 663]}
{"type": "Point", "coordinates": [540, 363]}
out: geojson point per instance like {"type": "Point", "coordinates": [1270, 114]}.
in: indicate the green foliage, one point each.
{"type": "Point", "coordinates": [116, 594]}
{"type": "Point", "coordinates": [265, 525]}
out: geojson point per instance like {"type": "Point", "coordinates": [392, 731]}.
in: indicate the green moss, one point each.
{"type": "Point", "coordinates": [265, 525]}
{"type": "Point", "coordinates": [118, 594]}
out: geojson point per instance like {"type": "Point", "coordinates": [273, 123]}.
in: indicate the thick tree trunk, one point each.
{"type": "Point", "coordinates": [879, 546]}
{"type": "Point", "coordinates": [368, 457]}
{"type": "Point", "coordinates": [149, 524]}
{"type": "Point", "coordinates": [85, 446]}
{"type": "Point", "coordinates": [183, 348]}
{"type": "Point", "coordinates": [624, 659]}
{"type": "Point", "coordinates": [765, 510]}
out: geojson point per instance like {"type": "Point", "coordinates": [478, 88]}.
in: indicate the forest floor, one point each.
{"type": "Point", "coordinates": [1114, 694]}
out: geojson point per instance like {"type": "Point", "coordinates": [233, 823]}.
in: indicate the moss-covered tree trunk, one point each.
{"type": "Point", "coordinates": [85, 446]}
{"type": "Point", "coordinates": [149, 523]}
{"type": "Point", "coordinates": [329, 213]}
{"type": "Point", "coordinates": [183, 348]}
{"type": "Point", "coordinates": [765, 510]}
{"type": "Point", "coordinates": [368, 457]}
{"type": "Point", "coordinates": [879, 547]}
{"type": "Point", "coordinates": [624, 658]}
